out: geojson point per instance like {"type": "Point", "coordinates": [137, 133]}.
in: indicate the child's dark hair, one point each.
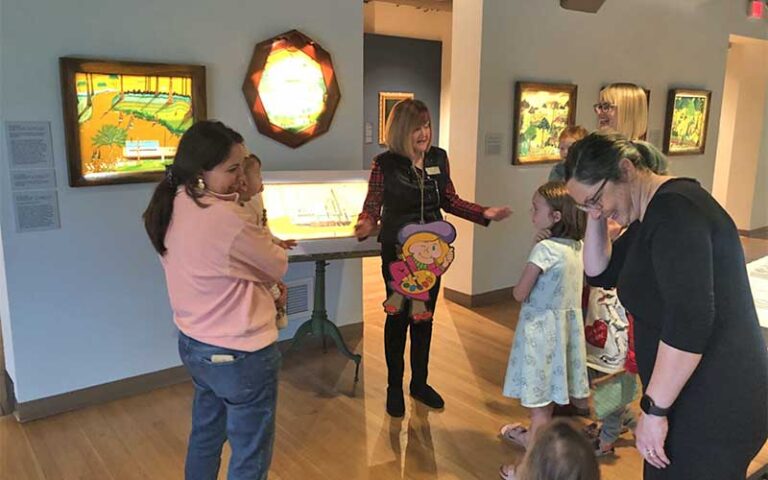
{"type": "Point", "coordinates": [206, 144]}
{"type": "Point", "coordinates": [573, 221]}
{"type": "Point", "coordinates": [596, 157]}
{"type": "Point", "coordinates": [559, 452]}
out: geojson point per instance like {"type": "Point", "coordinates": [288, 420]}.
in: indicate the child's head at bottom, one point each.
{"type": "Point", "coordinates": [554, 209]}
{"type": "Point", "coordinates": [253, 183]}
{"type": "Point", "coordinates": [559, 452]}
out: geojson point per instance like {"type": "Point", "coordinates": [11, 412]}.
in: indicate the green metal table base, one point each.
{"type": "Point", "coordinates": [319, 325]}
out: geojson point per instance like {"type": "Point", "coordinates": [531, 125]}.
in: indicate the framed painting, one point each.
{"type": "Point", "coordinates": [542, 111]}
{"type": "Point", "coordinates": [685, 126]}
{"type": "Point", "coordinates": [123, 120]}
{"type": "Point", "coordinates": [387, 101]}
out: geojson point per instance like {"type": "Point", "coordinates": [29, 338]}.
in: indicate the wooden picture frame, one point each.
{"type": "Point", "coordinates": [387, 101]}
{"type": "Point", "coordinates": [542, 111]}
{"type": "Point", "coordinates": [123, 120]}
{"type": "Point", "coordinates": [686, 121]}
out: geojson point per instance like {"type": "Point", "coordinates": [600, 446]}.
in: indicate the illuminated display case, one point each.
{"type": "Point", "coordinates": [318, 209]}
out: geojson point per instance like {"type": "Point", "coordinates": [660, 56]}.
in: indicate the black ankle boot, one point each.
{"type": "Point", "coordinates": [428, 396]}
{"type": "Point", "coordinates": [395, 402]}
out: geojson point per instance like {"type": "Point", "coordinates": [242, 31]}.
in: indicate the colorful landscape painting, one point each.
{"type": "Point", "coordinates": [687, 118]}
{"type": "Point", "coordinates": [124, 120]}
{"type": "Point", "coordinates": [542, 111]}
{"type": "Point", "coordinates": [130, 123]}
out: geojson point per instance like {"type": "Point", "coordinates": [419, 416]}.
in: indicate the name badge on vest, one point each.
{"type": "Point", "coordinates": [433, 170]}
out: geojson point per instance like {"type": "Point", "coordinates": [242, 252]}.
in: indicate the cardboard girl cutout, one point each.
{"type": "Point", "coordinates": [426, 254]}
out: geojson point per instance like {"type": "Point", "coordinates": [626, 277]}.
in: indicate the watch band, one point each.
{"type": "Point", "coordinates": [649, 407]}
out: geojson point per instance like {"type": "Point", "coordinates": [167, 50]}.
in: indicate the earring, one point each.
{"type": "Point", "coordinates": [200, 183]}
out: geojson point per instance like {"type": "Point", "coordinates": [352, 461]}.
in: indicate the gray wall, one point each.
{"type": "Point", "coordinates": [396, 64]}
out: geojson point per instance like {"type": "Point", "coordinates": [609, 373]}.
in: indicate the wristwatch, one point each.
{"type": "Point", "coordinates": [649, 407]}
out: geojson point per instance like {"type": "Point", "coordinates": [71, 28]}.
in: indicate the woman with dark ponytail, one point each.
{"type": "Point", "coordinates": [680, 270]}
{"type": "Point", "coordinates": [219, 264]}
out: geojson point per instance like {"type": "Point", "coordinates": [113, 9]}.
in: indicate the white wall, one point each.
{"type": "Point", "coordinates": [760, 199]}
{"type": "Point", "coordinates": [465, 71]}
{"type": "Point", "coordinates": [659, 45]}
{"type": "Point", "coordinates": [410, 22]}
{"type": "Point", "coordinates": [87, 302]}
{"type": "Point", "coordinates": [741, 129]}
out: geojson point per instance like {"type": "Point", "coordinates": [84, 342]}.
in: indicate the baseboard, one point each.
{"type": "Point", "coordinates": [480, 299]}
{"type": "Point", "coordinates": [44, 407]}
{"type": "Point", "coordinates": [761, 232]}
{"type": "Point", "coordinates": [107, 392]}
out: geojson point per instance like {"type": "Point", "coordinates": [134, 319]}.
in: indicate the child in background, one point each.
{"type": "Point", "coordinates": [250, 195]}
{"type": "Point", "coordinates": [559, 452]}
{"type": "Point", "coordinates": [547, 364]}
{"type": "Point", "coordinates": [568, 137]}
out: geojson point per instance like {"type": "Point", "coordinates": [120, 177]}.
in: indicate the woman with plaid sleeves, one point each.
{"type": "Point", "coordinates": [410, 184]}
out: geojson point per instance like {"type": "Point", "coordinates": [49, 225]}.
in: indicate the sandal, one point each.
{"type": "Point", "coordinates": [591, 431]}
{"type": "Point", "coordinates": [507, 472]}
{"type": "Point", "coordinates": [515, 433]}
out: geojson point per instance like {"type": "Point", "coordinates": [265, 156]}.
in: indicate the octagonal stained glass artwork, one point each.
{"type": "Point", "coordinates": [291, 88]}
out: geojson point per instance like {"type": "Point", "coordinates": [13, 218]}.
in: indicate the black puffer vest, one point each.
{"type": "Point", "coordinates": [401, 204]}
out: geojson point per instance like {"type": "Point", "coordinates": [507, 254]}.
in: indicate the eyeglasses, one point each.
{"type": "Point", "coordinates": [603, 107]}
{"type": "Point", "coordinates": [593, 203]}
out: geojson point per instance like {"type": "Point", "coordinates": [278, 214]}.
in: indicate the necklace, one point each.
{"type": "Point", "coordinates": [420, 178]}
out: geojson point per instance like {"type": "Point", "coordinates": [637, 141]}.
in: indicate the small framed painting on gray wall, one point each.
{"type": "Point", "coordinates": [387, 101]}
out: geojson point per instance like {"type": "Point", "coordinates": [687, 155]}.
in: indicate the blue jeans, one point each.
{"type": "Point", "coordinates": [234, 400]}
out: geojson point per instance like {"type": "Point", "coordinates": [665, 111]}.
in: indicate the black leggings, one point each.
{"type": "Point", "coordinates": [396, 330]}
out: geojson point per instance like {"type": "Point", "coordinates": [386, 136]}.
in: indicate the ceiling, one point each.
{"type": "Point", "coordinates": [426, 5]}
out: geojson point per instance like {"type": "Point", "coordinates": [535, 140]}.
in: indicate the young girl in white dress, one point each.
{"type": "Point", "coordinates": [547, 364]}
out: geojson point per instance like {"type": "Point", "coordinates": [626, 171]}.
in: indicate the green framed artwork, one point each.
{"type": "Point", "coordinates": [685, 128]}
{"type": "Point", "coordinates": [123, 120]}
{"type": "Point", "coordinates": [542, 111]}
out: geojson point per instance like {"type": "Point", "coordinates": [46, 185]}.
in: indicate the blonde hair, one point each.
{"type": "Point", "coordinates": [559, 452]}
{"type": "Point", "coordinates": [427, 237]}
{"type": "Point", "coordinates": [631, 108]}
{"type": "Point", "coordinates": [405, 117]}
{"type": "Point", "coordinates": [573, 132]}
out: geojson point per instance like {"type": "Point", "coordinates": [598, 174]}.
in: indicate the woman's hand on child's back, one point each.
{"type": "Point", "coordinates": [288, 244]}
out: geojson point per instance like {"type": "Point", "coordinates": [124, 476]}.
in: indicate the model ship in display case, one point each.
{"type": "Point", "coordinates": [317, 208]}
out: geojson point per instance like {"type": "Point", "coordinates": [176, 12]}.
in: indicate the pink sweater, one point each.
{"type": "Point", "coordinates": [218, 266]}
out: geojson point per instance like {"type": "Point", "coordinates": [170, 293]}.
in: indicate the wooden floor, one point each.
{"type": "Point", "coordinates": [327, 427]}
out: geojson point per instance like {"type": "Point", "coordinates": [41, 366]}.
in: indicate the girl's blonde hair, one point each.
{"type": "Point", "coordinates": [427, 237]}
{"type": "Point", "coordinates": [559, 452]}
{"type": "Point", "coordinates": [573, 221]}
{"type": "Point", "coordinates": [405, 117]}
{"type": "Point", "coordinates": [631, 108]}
